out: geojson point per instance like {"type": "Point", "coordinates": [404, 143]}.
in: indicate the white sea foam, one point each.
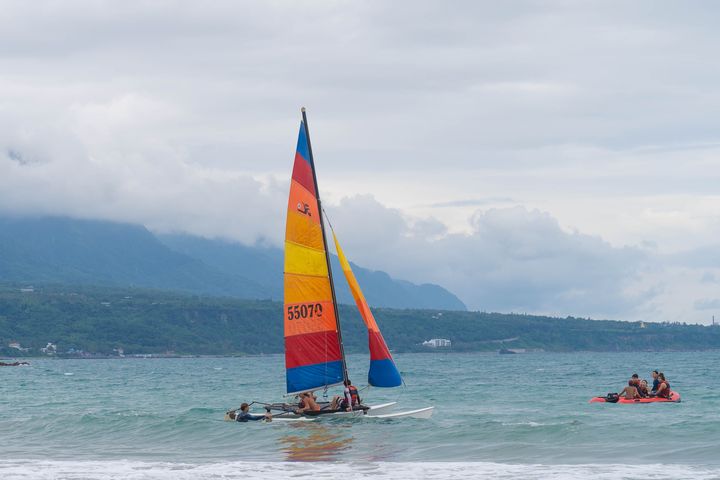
{"type": "Point", "coordinates": [136, 470]}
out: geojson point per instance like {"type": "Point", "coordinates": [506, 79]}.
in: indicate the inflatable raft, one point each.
{"type": "Point", "coordinates": [674, 398]}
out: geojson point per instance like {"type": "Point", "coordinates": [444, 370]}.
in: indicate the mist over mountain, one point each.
{"type": "Point", "coordinates": [63, 250]}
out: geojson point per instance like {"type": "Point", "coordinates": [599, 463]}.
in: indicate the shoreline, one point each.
{"type": "Point", "coordinates": [155, 356]}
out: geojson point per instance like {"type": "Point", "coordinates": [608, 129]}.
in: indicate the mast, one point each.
{"type": "Point", "coordinates": [327, 252]}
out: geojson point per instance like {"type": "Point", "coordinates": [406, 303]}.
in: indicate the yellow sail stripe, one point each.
{"type": "Point", "coordinates": [304, 260]}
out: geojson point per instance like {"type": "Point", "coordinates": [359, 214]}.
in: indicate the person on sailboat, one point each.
{"type": "Point", "coordinates": [349, 401]}
{"type": "Point", "coordinates": [307, 403]}
{"type": "Point", "coordinates": [244, 415]}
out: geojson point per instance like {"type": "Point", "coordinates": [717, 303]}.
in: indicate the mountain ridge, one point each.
{"type": "Point", "coordinates": [63, 250]}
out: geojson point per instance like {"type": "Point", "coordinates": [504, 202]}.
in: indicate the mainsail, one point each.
{"type": "Point", "coordinates": [383, 372]}
{"type": "Point", "coordinates": [314, 355]}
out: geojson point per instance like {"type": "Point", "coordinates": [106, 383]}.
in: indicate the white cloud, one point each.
{"type": "Point", "coordinates": [513, 259]}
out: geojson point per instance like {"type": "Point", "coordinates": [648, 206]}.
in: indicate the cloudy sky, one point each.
{"type": "Point", "coordinates": [541, 157]}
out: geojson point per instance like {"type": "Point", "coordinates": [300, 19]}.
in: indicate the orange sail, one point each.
{"type": "Point", "coordinates": [383, 372]}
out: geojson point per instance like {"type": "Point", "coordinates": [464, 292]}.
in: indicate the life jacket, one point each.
{"type": "Point", "coordinates": [666, 391]}
{"type": "Point", "coordinates": [354, 395]}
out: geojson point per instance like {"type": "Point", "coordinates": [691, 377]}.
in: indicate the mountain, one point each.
{"type": "Point", "coordinates": [89, 252]}
{"type": "Point", "coordinates": [265, 265]}
{"type": "Point", "coordinates": [60, 250]}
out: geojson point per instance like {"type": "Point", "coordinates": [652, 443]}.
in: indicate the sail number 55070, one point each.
{"type": "Point", "coordinates": [309, 310]}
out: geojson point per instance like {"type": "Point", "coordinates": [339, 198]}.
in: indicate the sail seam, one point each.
{"type": "Point", "coordinates": [305, 246]}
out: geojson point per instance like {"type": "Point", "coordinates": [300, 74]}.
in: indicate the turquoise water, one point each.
{"type": "Point", "coordinates": [505, 415]}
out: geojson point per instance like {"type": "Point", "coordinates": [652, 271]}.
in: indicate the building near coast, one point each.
{"type": "Point", "coordinates": [437, 343]}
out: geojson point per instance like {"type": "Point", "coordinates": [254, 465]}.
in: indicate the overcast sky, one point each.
{"type": "Point", "coordinates": [540, 157]}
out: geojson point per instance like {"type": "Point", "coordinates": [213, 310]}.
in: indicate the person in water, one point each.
{"type": "Point", "coordinates": [244, 415]}
{"type": "Point", "coordinates": [663, 390]}
{"type": "Point", "coordinates": [630, 392]}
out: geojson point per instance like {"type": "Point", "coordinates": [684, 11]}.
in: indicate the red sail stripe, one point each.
{"type": "Point", "coordinates": [302, 173]}
{"type": "Point", "coordinates": [311, 348]}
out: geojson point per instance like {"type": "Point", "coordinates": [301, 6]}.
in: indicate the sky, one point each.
{"type": "Point", "coordinates": [546, 157]}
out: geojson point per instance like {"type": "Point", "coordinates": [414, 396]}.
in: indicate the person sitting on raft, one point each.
{"type": "Point", "coordinates": [244, 415]}
{"type": "Point", "coordinates": [643, 388]}
{"type": "Point", "coordinates": [635, 382]}
{"type": "Point", "coordinates": [656, 382]}
{"type": "Point", "coordinates": [663, 390]}
{"type": "Point", "coordinates": [630, 392]}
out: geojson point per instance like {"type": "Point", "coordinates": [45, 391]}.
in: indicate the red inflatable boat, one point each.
{"type": "Point", "coordinates": [674, 398]}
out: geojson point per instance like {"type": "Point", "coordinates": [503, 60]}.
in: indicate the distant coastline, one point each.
{"type": "Point", "coordinates": [105, 322]}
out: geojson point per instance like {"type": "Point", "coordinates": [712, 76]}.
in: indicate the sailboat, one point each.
{"type": "Point", "coordinates": [314, 352]}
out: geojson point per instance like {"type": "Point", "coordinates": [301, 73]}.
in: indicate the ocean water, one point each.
{"type": "Point", "coordinates": [501, 416]}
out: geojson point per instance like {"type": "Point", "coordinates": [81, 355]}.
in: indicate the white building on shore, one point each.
{"type": "Point", "coordinates": [437, 343]}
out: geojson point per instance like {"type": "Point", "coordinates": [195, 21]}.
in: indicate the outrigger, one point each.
{"type": "Point", "coordinates": [314, 353]}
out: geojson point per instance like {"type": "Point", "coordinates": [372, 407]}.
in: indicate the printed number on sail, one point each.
{"type": "Point", "coordinates": [304, 311]}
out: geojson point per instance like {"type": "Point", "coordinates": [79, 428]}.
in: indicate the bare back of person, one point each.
{"type": "Point", "coordinates": [630, 392]}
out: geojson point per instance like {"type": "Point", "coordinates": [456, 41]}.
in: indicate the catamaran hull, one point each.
{"type": "Point", "coordinates": [419, 413]}
{"type": "Point", "coordinates": [373, 411]}
{"type": "Point", "coordinates": [376, 413]}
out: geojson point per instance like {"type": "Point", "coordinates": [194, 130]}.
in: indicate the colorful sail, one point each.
{"type": "Point", "coordinates": [383, 372]}
{"type": "Point", "coordinates": [313, 353]}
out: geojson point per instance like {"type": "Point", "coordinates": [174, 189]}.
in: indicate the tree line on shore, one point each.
{"type": "Point", "coordinates": [108, 321]}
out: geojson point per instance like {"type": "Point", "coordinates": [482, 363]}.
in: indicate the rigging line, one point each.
{"type": "Point", "coordinates": [327, 217]}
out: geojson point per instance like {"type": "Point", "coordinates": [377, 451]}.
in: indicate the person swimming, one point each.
{"type": "Point", "coordinates": [243, 415]}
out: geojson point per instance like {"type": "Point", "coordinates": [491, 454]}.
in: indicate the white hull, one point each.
{"type": "Point", "coordinates": [290, 419]}
{"type": "Point", "coordinates": [419, 413]}
{"type": "Point", "coordinates": [381, 407]}
{"type": "Point", "coordinates": [377, 412]}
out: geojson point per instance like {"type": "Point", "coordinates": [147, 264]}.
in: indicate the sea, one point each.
{"type": "Point", "coordinates": [523, 416]}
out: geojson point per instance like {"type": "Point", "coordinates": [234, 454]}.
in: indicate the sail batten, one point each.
{"type": "Point", "coordinates": [383, 372]}
{"type": "Point", "coordinates": [314, 356]}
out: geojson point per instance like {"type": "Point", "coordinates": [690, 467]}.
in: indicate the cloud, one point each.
{"type": "Point", "coordinates": [707, 304]}
{"type": "Point", "coordinates": [99, 164]}
{"type": "Point", "coordinates": [514, 259]}
{"type": "Point", "coordinates": [708, 277]}
{"type": "Point", "coordinates": [471, 202]}
{"type": "Point", "coordinates": [564, 132]}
